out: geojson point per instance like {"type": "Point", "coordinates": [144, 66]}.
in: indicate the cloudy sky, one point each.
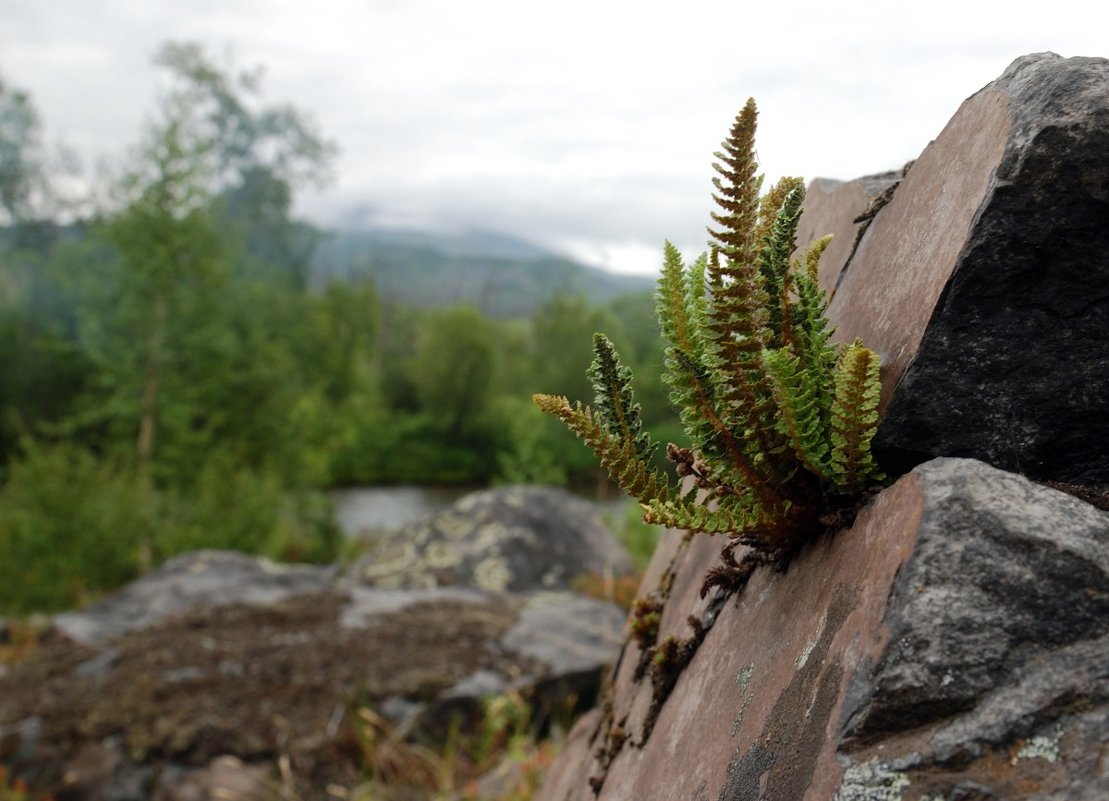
{"type": "Point", "coordinates": [584, 126]}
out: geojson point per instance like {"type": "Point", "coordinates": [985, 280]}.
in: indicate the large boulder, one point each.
{"type": "Point", "coordinates": [982, 280]}
{"type": "Point", "coordinates": [953, 644]}
{"type": "Point", "coordinates": [514, 539]}
{"type": "Point", "coordinates": [257, 678]}
{"type": "Point", "coordinates": [208, 670]}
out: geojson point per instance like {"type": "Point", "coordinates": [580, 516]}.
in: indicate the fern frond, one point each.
{"type": "Point", "coordinates": [811, 259]}
{"type": "Point", "coordinates": [777, 240]}
{"type": "Point", "coordinates": [617, 454]}
{"type": "Point", "coordinates": [700, 407]}
{"type": "Point", "coordinates": [855, 419]}
{"type": "Point", "coordinates": [615, 401]}
{"type": "Point", "coordinates": [741, 516]}
{"type": "Point", "coordinates": [737, 336]}
{"type": "Point", "coordinates": [696, 301]}
{"type": "Point", "coordinates": [798, 394]}
{"type": "Point", "coordinates": [810, 342]}
{"type": "Point", "coordinates": [770, 204]}
{"type": "Point", "coordinates": [738, 329]}
{"type": "Point", "coordinates": [737, 194]}
{"type": "Point", "coordinates": [680, 319]}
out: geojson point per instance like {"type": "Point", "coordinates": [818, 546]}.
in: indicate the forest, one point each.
{"type": "Point", "coordinates": [184, 366]}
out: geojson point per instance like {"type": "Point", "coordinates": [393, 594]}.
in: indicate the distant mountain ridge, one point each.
{"type": "Point", "coordinates": [499, 274]}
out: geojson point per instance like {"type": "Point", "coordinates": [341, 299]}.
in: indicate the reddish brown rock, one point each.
{"type": "Point", "coordinates": [953, 644]}
{"type": "Point", "coordinates": [984, 282]}
{"type": "Point", "coordinates": [844, 210]}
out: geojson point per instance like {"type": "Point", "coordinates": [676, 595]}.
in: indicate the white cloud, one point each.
{"type": "Point", "coordinates": [584, 125]}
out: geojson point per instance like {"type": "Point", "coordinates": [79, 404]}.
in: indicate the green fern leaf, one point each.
{"type": "Point", "coordinates": [855, 419]}
{"type": "Point", "coordinates": [798, 395]}
{"type": "Point", "coordinates": [774, 257]}
{"type": "Point", "coordinates": [811, 259]}
{"type": "Point", "coordinates": [617, 454]}
{"type": "Point", "coordinates": [615, 401]}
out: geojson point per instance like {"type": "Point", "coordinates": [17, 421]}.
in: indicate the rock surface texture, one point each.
{"type": "Point", "coordinates": [197, 679]}
{"type": "Point", "coordinates": [516, 539]}
{"type": "Point", "coordinates": [953, 644]}
{"type": "Point", "coordinates": [983, 282]}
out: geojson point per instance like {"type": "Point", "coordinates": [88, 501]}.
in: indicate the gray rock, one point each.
{"type": "Point", "coordinates": [479, 684]}
{"type": "Point", "coordinates": [567, 633]}
{"type": "Point", "coordinates": [1002, 614]}
{"type": "Point", "coordinates": [186, 582]}
{"type": "Point", "coordinates": [1012, 368]}
{"type": "Point", "coordinates": [511, 539]}
{"type": "Point", "coordinates": [222, 655]}
{"type": "Point", "coordinates": [367, 603]}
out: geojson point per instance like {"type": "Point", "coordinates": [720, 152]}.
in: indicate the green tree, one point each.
{"type": "Point", "coordinates": [21, 168]}
{"type": "Point", "coordinates": [163, 327]}
{"type": "Point", "coordinates": [455, 370]}
{"type": "Point", "coordinates": [258, 155]}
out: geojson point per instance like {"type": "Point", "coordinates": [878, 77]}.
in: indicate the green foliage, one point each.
{"type": "Point", "coordinates": [20, 159]}
{"type": "Point", "coordinates": [779, 417]}
{"type": "Point", "coordinates": [70, 528]}
{"type": "Point", "coordinates": [170, 380]}
{"type": "Point", "coordinates": [73, 526]}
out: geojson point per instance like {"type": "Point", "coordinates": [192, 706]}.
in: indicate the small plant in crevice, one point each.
{"type": "Point", "coordinates": [779, 417]}
{"type": "Point", "coordinates": [669, 658]}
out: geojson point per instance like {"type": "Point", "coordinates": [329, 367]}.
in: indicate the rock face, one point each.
{"type": "Point", "coordinates": [516, 539]}
{"type": "Point", "coordinates": [953, 644]}
{"type": "Point", "coordinates": [204, 673]}
{"type": "Point", "coordinates": [844, 209]}
{"type": "Point", "coordinates": [984, 282]}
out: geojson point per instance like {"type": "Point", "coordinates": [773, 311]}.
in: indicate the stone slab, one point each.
{"type": "Point", "coordinates": [954, 641]}
{"type": "Point", "coordinates": [832, 207]}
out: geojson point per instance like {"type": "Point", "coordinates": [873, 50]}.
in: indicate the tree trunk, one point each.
{"type": "Point", "coordinates": [148, 415]}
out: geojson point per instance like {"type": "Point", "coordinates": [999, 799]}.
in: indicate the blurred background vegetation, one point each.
{"type": "Point", "coordinates": [183, 364]}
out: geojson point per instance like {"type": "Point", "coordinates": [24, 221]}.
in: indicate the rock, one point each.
{"type": "Point", "coordinates": [954, 643]}
{"type": "Point", "coordinates": [1009, 588]}
{"type": "Point", "coordinates": [185, 583]}
{"type": "Point", "coordinates": [843, 209]}
{"type": "Point", "coordinates": [982, 283]}
{"type": "Point", "coordinates": [225, 778]}
{"type": "Point", "coordinates": [514, 539]}
{"type": "Point", "coordinates": [279, 664]}
{"type": "Point", "coordinates": [568, 632]}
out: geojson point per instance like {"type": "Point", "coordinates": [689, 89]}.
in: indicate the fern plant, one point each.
{"type": "Point", "coordinates": [779, 417]}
